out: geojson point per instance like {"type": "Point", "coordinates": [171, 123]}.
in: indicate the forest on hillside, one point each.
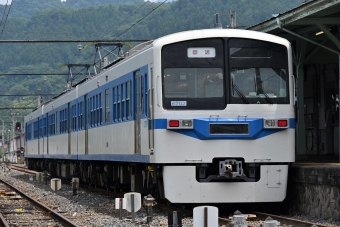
{"type": "Point", "coordinates": [99, 19]}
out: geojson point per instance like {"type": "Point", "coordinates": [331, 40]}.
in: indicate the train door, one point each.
{"type": "Point", "coordinates": [86, 125]}
{"type": "Point", "coordinates": [137, 106]}
{"type": "Point", "coordinates": [150, 111]}
{"type": "Point", "coordinates": [69, 122]}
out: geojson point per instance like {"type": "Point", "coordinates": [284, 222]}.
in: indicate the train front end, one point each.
{"type": "Point", "coordinates": [223, 122]}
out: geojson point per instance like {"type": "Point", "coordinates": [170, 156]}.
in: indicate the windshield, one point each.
{"type": "Point", "coordinates": [193, 82]}
{"type": "Point", "coordinates": [258, 82]}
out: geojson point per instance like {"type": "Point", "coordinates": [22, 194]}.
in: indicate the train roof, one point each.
{"type": "Point", "coordinates": [178, 37]}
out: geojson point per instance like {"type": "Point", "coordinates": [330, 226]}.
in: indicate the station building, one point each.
{"type": "Point", "coordinates": [313, 28]}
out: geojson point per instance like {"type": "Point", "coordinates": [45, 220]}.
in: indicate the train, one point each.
{"type": "Point", "coordinates": [200, 116]}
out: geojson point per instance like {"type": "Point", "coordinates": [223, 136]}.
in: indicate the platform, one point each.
{"type": "Point", "coordinates": [314, 188]}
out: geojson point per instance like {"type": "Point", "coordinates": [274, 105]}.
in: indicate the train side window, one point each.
{"type": "Point", "coordinates": [53, 124]}
{"type": "Point", "coordinates": [63, 121]}
{"type": "Point", "coordinates": [45, 126]}
{"type": "Point", "coordinates": [141, 93]}
{"type": "Point", "coordinates": [35, 130]}
{"type": "Point", "coordinates": [73, 108]}
{"type": "Point", "coordinates": [88, 112]}
{"type": "Point", "coordinates": [123, 101]}
{"type": "Point", "coordinates": [145, 94]}
{"type": "Point", "coordinates": [28, 131]}
{"type": "Point", "coordinates": [91, 110]}
{"type": "Point", "coordinates": [80, 115]}
{"type": "Point", "coordinates": [94, 111]}
{"type": "Point", "coordinates": [128, 95]}
{"type": "Point", "coordinates": [60, 122]}
{"type": "Point", "coordinates": [114, 111]}
{"type": "Point", "coordinates": [107, 105]}
{"type": "Point", "coordinates": [118, 103]}
{"type": "Point", "coordinates": [40, 128]}
{"type": "Point", "coordinates": [66, 120]}
{"type": "Point", "coordinates": [49, 129]}
{"type": "Point", "coordinates": [100, 109]}
{"type": "Point", "coordinates": [57, 123]}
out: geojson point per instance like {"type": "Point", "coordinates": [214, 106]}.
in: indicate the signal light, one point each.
{"type": "Point", "coordinates": [282, 123]}
{"type": "Point", "coordinates": [174, 123]}
{"type": "Point", "coordinates": [18, 126]}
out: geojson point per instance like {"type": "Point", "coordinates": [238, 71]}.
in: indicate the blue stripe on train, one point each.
{"type": "Point", "coordinates": [98, 157]}
{"type": "Point", "coordinates": [201, 128]}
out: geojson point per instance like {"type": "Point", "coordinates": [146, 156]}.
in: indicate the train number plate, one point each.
{"type": "Point", "coordinates": [178, 103]}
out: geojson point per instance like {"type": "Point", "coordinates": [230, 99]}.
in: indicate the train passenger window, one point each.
{"type": "Point", "coordinates": [123, 101]}
{"type": "Point", "coordinates": [100, 109]}
{"type": "Point", "coordinates": [145, 92]}
{"type": "Point", "coordinates": [35, 130]}
{"type": "Point", "coordinates": [141, 93]}
{"type": "Point", "coordinates": [28, 132]}
{"type": "Point", "coordinates": [91, 110]}
{"type": "Point", "coordinates": [65, 121]}
{"type": "Point", "coordinates": [73, 118]}
{"type": "Point", "coordinates": [52, 123]}
{"type": "Point", "coordinates": [60, 121]}
{"type": "Point", "coordinates": [118, 102]}
{"type": "Point", "coordinates": [57, 123]}
{"type": "Point", "coordinates": [80, 115]}
{"type": "Point", "coordinates": [114, 111]}
{"type": "Point", "coordinates": [107, 105]}
{"type": "Point", "coordinates": [44, 126]}
{"type": "Point", "coordinates": [128, 102]}
{"type": "Point", "coordinates": [95, 106]}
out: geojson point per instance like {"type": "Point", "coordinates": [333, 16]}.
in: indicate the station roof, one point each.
{"type": "Point", "coordinates": [317, 22]}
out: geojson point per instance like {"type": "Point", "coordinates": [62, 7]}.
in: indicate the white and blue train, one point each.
{"type": "Point", "coordinates": [203, 116]}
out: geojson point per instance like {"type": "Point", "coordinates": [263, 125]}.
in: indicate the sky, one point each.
{"type": "Point", "coordinates": [3, 2]}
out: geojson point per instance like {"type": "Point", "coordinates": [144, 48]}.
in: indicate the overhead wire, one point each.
{"type": "Point", "coordinates": [9, 10]}
{"type": "Point", "coordinates": [3, 14]}
{"type": "Point", "coordinates": [112, 30]}
{"type": "Point", "coordinates": [141, 19]}
{"type": "Point", "coordinates": [132, 24]}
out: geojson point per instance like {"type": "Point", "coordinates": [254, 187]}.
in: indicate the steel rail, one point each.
{"type": "Point", "coordinates": [288, 221]}
{"type": "Point", "coordinates": [63, 219]}
{"type": "Point", "coordinates": [3, 221]}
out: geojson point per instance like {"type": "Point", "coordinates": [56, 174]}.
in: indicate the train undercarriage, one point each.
{"type": "Point", "coordinates": [114, 176]}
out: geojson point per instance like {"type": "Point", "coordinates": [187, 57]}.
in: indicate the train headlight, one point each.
{"type": "Point", "coordinates": [276, 123]}
{"type": "Point", "coordinates": [187, 123]}
{"type": "Point", "coordinates": [269, 123]}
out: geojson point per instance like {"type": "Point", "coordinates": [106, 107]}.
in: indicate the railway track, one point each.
{"type": "Point", "coordinates": [19, 209]}
{"type": "Point", "coordinates": [255, 219]}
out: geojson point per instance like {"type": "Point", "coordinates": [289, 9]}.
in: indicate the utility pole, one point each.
{"type": "Point", "coordinates": [13, 132]}
{"type": "Point", "coordinates": [233, 19]}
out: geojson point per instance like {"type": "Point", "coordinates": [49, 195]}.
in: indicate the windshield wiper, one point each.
{"type": "Point", "coordinates": [269, 100]}
{"type": "Point", "coordinates": [259, 87]}
{"type": "Point", "coordinates": [244, 98]}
